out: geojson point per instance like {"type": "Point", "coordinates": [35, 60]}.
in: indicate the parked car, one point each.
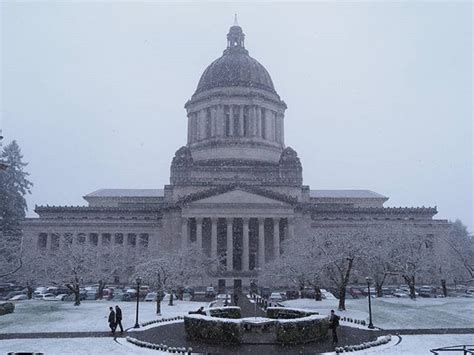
{"type": "Point", "coordinates": [11, 294]}
{"type": "Point", "coordinates": [151, 297]}
{"type": "Point", "coordinates": [308, 292]}
{"type": "Point", "coordinates": [399, 293]}
{"type": "Point", "coordinates": [210, 292]}
{"type": "Point", "coordinates": [224, 298]}
{"type": "Point", "coordinates": [61, 297]}
{"type": "Point", "coordinates": [274, 298]}
{"type": "Point", "coordinates": [46, 297]}
{"type": "Point", "coordinates": [187, 296]}
{"type": "Point", "coordinates": [427, 291]}
{"type": "Point", "coordinates": [20, 297]}
{"type": "Point", "coordinates": [355, 292]}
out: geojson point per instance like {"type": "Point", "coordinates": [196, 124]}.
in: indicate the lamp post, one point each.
{"type": "Point", "coordinates": [139, 280]}
{"type": "Point", "coordinates": [369, 281]}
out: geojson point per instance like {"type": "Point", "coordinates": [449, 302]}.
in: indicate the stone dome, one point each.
{"type": "Point", "coordinates": [235, 67]}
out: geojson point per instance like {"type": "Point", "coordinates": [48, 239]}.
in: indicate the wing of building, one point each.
{"type": "Point", "coordinates": [235, 189]}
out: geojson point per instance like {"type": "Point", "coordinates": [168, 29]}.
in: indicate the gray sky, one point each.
{"type": "Point", "coordinates": [379, 94]}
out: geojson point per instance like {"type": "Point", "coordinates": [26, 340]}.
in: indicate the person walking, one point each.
{"type": "Point", "coordinates": [333, 324]}
{"type": "Point", "coordinates": [118, 318]}
{"type": "Point", "coordinates": [236, 299]}
{"type": "Point", "coordinates": [112, 320]}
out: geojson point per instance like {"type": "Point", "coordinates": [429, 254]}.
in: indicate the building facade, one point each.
{"type": "Point", "coordinates": [236, 189]}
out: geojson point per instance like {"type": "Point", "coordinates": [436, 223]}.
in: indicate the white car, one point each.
{"type": "Point", "coordinates": [47, 297]}
{"type": "Point", "coordinates": [19, 298]}
{"type": "Point", "coordinates": [274, 298]}
{"type": "Point", "coordinates": [61, 297]}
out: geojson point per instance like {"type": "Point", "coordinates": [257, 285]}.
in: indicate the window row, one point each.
{"type": "Point", "coordinates": [55, 240]}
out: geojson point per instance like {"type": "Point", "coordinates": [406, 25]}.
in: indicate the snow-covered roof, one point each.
{"type": "Point", "coordinates": [127, 193]}
{"type": "Point", "coordinates": [344, 194]}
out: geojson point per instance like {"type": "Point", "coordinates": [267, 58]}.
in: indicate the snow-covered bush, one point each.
{"type": "Point", "coordinates": [226, 312]}
{"type": "Point", "coordinates": [213, 330]}
{"type": "Point", "coordinates": [6, 308]}
{"type": "Point", "coordinates": [288, 313]}
{"type": "Point", "coordinates": [302, 330]}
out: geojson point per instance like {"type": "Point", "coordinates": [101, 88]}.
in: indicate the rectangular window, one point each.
{"type": "Point", "coordinates": [118, 238]}
{"type": "Point", "coordinates": [236, 114]}
{"type": "Point", "coordinates": [42, 240]}
{"type": "Point", "coordinates": [106, 239]}
{"type": "Point", "coordinates": [143, 241]}
{"type": "Point", "coordinates": [55, 241]}
{"type": "Point", "coordinates": [227, 120]}
{"type": "Point", "coordinates": [93, 239]}
{"type": "Point", "coordinates": [81, 238]}
{"type": "Point", "coordinates": [132, 239]}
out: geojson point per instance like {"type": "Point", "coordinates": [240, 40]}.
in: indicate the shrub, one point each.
{"type": "Point", "coordinates": [287, 313]}
{"type": "Point", "coordinates": [212, 330]}
{"type": "Point", "coordinates": [6, 308]}
{"type": "Point", "coordinates": [225, 312]}
{"type": "Point", "coordinates": [302, 330]}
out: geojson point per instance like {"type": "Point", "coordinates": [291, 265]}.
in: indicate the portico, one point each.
{"type": "Point", "coordinates": [242, 229]}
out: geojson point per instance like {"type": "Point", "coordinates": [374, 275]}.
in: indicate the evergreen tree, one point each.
{"type": "Point", "coordinates": [14, 185]}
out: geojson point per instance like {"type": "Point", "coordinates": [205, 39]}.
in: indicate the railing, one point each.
{"type": "Point", "coordinates": [466, 349]}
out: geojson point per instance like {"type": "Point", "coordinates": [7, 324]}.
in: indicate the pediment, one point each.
{"type": "Point", "coordinates": [238, 197]}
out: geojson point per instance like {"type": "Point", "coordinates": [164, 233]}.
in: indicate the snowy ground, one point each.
{"type": "Point", "coordinates": [410, 344]}
{"type": "Point", "coordinates": [396, 313]}
{"type": "Point", "coordinates": [49, 316]}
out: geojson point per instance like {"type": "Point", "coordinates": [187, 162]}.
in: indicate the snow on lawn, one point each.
{"type": "Point", "coordinates": [421, 344]}
{"type": "Point", "coordinates": [399, 313]}
{"type": "Point", "coordinates": [50, 316]}
{"type": "Point", "coordinates": [76, 346]}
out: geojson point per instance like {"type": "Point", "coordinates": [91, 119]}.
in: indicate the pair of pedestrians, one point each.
{"type": "Point", "coordinates": [115, 319]}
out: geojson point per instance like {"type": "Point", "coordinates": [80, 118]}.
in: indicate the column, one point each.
{"type": "Point", "coordinates": [258, 117]}
{"type": "Point", "coordinates": [199, 232]}
{"type": "Point", "coordinates": [230, 245]}
{"type": "Point", "coordinates": [253, 120]}
{"type": "Point", "coordinates": [220, 121]}
{"type": "Point", "coordinates": [276, 238]}
{"type": "Point", "coordinates": [291, 228]}
{"type": "Point", "coordinates": [245, 245]}
{"type": "Point", "coordinates": [184, 233]}
{"type": "Point", "coordinates": [100, 240]}
{"type": "Point", "coordinates": [213, 122]}
{"type": "Point", "coordinates": [261, 242]}
{"type": "Point", "coordinates": [213, 238]}
{"type": "Point", "coordinates": [231, 121]}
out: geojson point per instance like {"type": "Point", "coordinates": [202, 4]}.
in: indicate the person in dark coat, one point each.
{"type": "Point", "coordinates": [118, 318]}
{"type": "Point", "coordinates": [236, 299]}
{"type": "Point", "coordinates": [333, 324]}
{"type": "Point", "coordinates": [112, 320]}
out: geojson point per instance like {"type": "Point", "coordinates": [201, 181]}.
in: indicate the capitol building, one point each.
{"type": "Point", "coordinates": [236, 189]}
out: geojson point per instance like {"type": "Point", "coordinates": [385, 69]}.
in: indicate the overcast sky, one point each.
{"type": "Point", "coordinates": [379, 94]}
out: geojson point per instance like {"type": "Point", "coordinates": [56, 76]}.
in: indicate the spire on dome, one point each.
{"type": "Point", "coordinates": [235, 37]}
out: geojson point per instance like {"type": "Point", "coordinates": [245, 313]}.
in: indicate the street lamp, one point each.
{"type": "Point", "coordinates": [369, 281]}
{"type": "Point", "coordinates": [139, 280]}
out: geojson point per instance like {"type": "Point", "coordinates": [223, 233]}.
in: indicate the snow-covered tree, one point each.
{"type": "Point", "coordinates": [166, 271]}
{"type": "Point", "coordinates": [412, 256]}
{"type": "Point", "coordinates": [14, 185]}
{"type": "Point", "coordinates": [71, 264]}
{"type": "Point", "coordinates": [461, 247]}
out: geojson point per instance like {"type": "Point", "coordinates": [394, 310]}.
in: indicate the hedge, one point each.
{"type": "Point", "coordinates": [6, 308]}
{"type": "Point", "coordinates": [288, 313]}
{"type": "Point", "coordinates": [213, 330]}
{"type": "Point", "coordinates": [302, 330]}
{"type": "Point", "coordinates": [225, 312]}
